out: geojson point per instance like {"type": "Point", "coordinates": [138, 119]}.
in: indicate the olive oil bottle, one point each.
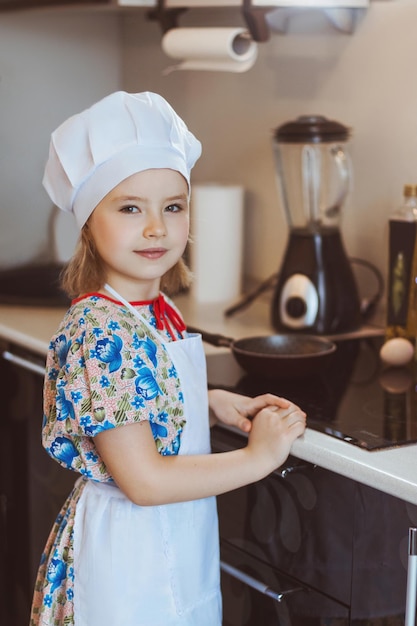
{"type": "Point", "coordinates": [411, 327]}
{"type": "Point", "coordinates": [402, 269]}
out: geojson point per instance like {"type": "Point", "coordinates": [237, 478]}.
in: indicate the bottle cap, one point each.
{"type": "Point", "coordinates": [410, 191]}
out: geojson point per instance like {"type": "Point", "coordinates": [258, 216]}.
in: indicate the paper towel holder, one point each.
{"type": "Point", "coordinates": [167, 17]}
{"type": "Point", "coordinates": [254, 18]}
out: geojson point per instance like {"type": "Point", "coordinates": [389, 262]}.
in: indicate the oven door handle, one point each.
{"type": "Point", "coordinates": [248, 580]}
{"type": "Point", "coordinates": [25, 363]}
{"type": "Point", "coordinates": [293, 469]}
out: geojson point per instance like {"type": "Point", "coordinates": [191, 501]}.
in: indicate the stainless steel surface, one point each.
{"type": "Point", "coordinates": [25, 363]}
{"type": "Point", "coordinates": [278, 596]}
{"type": "Point", "coordinates": [410, 608]}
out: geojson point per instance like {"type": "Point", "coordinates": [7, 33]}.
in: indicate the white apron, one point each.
{"type": "Point", "coordinates": [156, 565]}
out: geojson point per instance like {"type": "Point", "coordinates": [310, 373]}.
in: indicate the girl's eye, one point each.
{"type": "Point", "coordinates": [129, 209]}
{"type": "Point", "coordinates": [173, 208]}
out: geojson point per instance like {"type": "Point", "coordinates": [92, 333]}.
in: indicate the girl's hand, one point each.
{"type": "Point", "coordinates": [236, 410]}
{"type": "Point", "coordinates": [274, 430]}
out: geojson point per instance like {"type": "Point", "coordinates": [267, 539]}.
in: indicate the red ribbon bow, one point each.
{"type": "Point", "coordinates": [167, 317]}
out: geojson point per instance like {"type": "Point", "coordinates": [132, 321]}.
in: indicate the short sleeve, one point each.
{"type": "Point", "coordinates": [106, 374]}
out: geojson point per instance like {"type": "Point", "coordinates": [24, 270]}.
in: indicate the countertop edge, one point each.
{"type": "Point", "coordinates": [386, 473]}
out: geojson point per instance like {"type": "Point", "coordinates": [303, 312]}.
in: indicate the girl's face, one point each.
{"type": "Point", "coordinates": [140, 230]}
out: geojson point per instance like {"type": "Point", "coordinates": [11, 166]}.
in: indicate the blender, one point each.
{"type": "Point", "coordinates": [316, 291]}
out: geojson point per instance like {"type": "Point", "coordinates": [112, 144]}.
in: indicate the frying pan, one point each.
{"type": "Point", "coordinates": [276, 356]}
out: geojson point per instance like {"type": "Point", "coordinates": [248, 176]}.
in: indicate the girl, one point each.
{"type": "Point", "coordinates": [125, 400]}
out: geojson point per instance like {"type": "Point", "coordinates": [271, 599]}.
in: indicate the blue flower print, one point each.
{"type": "Point", "coordinates": [93, 430]}
{"type": "Point", "coordinates": [76, 396]}
{"type": "Point", "coordinates": [64, 407]}
{"type": "Point", "coordinates": [175, 446]}
{"type": "Point", "coordinates": [62, 346]}
{"type": "Point", "coordinates": [149, 348]}
{"type": "Point", "coordinates": [163, 417]}
{"type": "Point", "coordinates": [172, 372]}
{"type": "Point", "coordinates": [53, 373]}
{"type": "Point", "coordinates": [108, 351]}
{"type": "Point", "coordinates": [113, 325]}
{"type": "Point", "coordinates": [158, 430]}
{"type": "Point", "coordinates": [47, 600]}
{"type": "Point", "coordinates": [90, 456]}
{"type": "Point", "coordinates": [70, 594]}
{"type": "Point", "coordinates": [136, 341]}
{"type": "Point", "coordinates": [64, 450]}
{"type": "Point", "coordinates": [104, 381]}
{"type": "Point", "coordinates": [138, 403]}
{"type": "Point", "coordinates": [57, 571]}
{"type": "Point", "coordinates": [146, 385]}
{"type": "Point", "coordinates": [176, 443]}
{"type": "Point", "coordinates": [138, 361]}
{"type": "Point", "coordinates": [97, 331]}
{"type": "Point", "coordinates": [85, 420]}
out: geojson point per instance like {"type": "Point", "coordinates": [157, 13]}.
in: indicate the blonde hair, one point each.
{"type": "Point", "coordinates": [85, 271]}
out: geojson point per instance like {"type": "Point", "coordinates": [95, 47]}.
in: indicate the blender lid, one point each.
{"type": "Point", "coordinates": [311, 129]}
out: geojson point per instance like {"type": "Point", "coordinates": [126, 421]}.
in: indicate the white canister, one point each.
{"type": "Point", "coordinates": [216, 251]}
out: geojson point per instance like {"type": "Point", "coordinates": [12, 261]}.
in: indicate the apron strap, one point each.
{"type": "Point", "coordinates": [166, 316]}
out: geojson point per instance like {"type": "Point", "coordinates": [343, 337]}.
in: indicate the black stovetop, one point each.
{"type": "Point", "coordinates": [355, 399]}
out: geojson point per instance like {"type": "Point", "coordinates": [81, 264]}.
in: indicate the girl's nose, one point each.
{"type": "Point", "coordinates": [155, 227]}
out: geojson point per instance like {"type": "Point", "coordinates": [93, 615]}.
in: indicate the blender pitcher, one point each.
{"type": "Point", "coordinates": [316, 290]}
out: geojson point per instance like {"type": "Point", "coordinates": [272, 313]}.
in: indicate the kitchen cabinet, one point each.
{"type": "Point", "coordinates": [32, 486]}
{"type": "Point", "coordinates": [13, 5]}
{"type": "Point", "coordinates": [342, 546]}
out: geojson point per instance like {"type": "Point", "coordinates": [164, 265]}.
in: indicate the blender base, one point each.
{"type": "Point", "coordinates": [316, 290]}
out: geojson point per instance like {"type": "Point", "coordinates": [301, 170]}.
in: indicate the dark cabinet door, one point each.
{"type": "Point", "coordinates": [336, 536]}
{"type": "Point", "coordinates": [254, 594]}
{"type": "Point", "coordinates": [32, 488]}
{"type": "Point", "coordinates": [380, 557]}
{"type": "Point", "coordinates": [301, 524]}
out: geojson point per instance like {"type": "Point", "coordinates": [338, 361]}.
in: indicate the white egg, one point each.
{"type": "Point", "coordinates": [397, 351]}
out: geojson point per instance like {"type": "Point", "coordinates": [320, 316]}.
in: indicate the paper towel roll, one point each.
{"type": "Point", "coordinates": [216, 252]}
{"type": "Point", "coordinates": [216, 49]}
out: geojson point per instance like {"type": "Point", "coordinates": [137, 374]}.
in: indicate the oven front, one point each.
{"type": "Point", "coordinates": [278, 566]}
{"type": "Point", "coordinates": [306, 545]}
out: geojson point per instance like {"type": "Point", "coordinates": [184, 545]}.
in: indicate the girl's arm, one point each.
{"type": "Point", "coordinates": [147, 478]}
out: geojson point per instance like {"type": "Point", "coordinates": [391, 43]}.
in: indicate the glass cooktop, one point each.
{"type": "Point", "coordinates": [356, 398]}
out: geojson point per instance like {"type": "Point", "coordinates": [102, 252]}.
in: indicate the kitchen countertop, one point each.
{"type": "Point", "coordinates": [393, 470]}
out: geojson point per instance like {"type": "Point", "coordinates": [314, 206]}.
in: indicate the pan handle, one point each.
{"type": "Point", "coordinates": [220, 341]}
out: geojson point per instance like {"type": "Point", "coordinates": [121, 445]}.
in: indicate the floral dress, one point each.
{"type": "Point", "coordinates": [103, 371]}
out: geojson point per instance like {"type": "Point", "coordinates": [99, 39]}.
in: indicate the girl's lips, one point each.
{"type": "Point", "coordinates": [152, 253]}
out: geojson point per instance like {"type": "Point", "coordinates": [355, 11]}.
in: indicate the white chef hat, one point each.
{"type": "Point", "coordinates": [93, 151]}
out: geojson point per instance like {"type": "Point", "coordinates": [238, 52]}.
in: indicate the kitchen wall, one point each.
{"type": "Point", "coordinates": [366, 80]}
{"type": "Point", "coordinates": [52, 64]}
